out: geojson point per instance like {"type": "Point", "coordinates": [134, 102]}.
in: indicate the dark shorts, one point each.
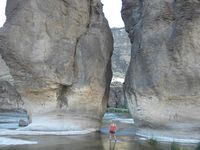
{"type": "Point", "coordinates": [112, 132]}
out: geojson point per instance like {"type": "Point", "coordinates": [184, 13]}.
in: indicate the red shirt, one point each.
{"type": "Point", "coordinates": [113, 127]}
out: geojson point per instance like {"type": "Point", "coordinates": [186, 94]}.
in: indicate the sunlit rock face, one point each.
{"type": "Point", "coordinates": [58, 53]}
{"type": "Point", "coordinates": [163, 80]}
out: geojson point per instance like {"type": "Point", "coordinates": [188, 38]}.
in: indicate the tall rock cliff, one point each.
{"type": "Point", "coordinates": [163, 80]}
{"type": "Point", "coordinates": [58, 52]}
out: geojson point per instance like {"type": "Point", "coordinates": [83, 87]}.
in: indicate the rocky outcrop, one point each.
{"type": "Point", "coordinates": [162, 83]}
{"type": "Point", "coordinates": [116, 96]}
{"type": "Point", "coordinates": [122, 53]}
{"type": "Point", "coordinates": [58, 53]}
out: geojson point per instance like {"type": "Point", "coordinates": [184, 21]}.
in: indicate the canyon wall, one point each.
{"type": "Point", "coordinates": [59, 55]}
{"type": "Point", "coordinates": [163, 80]}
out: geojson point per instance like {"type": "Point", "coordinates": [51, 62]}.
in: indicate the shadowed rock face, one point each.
{"type": "Point", "coordinates": [58, 53]}
{"type": "Point", "coordinates": [163, 80]}
{"type": "Point", "coordinates": [116, 96]}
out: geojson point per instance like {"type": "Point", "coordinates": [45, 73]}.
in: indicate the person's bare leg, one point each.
{"type": "Point", "coordinates": [110, 137]}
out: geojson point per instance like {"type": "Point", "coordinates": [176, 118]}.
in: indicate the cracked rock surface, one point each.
{"type": "Point", "coordinates": [162, 83]}
{"type": "Point", "coordinates": [58, 53]}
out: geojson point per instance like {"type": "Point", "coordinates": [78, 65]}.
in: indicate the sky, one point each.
{"type": "Point", "coordinates": [2, 12]}
{"type": "Point", "coordinates": [111, 10]}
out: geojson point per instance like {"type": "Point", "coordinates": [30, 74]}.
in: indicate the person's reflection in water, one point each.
{"type": "Point", "coordinates": [97, 142]}
{"type": "Point", "coordinates": [112, 148]}
{"type": "Point", "coordinates": [114, 145]}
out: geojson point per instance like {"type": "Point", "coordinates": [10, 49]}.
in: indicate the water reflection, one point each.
{"type": "Point", "coordinates": [87, 142]}
{"type": "Point", "coordinates": [95, 141]}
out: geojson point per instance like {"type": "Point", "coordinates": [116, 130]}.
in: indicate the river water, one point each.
{"type": "Point", "coordinates": [126, 140]}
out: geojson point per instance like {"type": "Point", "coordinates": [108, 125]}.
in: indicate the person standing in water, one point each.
{"type": "Point", "coordinates": [112, 131]}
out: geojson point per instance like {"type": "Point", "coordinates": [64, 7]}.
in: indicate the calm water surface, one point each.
{"type": "Point", "coordinates": [93, 141]}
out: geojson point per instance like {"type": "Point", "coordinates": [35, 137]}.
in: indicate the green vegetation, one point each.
{"type": "Point", "coordinates": [198, 146]}
{"type": "Point", "coordinates": [152, 142]}
{"type": "Point", "coordinates": [175, 146]}
{"type": "Point", "coordinates": [117, 110]}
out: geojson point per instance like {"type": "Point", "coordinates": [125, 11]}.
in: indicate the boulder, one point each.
{"type": "Point", "coordinates": [23, 123]}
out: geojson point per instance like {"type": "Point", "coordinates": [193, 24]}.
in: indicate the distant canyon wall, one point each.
{"type": "Point", "coordinates": [122, 53]}
{"type": "Point", "coordinates": [59, 55]}
{"type": "Point", "coordinates": [120, 62]}
{"type": "Point", "coordinates": [163, 80]}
